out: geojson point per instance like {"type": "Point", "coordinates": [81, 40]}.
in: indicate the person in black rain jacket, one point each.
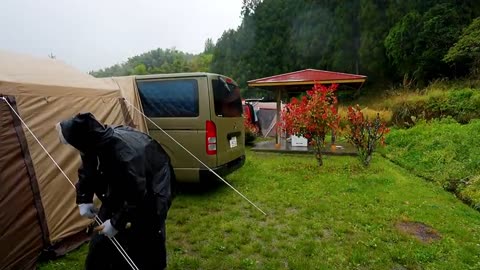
{"type": "Point", "coordinates": [131, 174]}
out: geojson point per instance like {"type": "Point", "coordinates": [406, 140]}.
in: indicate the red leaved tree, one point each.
{"type": "Point", "coordinates": [313, 116]}
{"type": "Point", "coordinates": [365, 134]}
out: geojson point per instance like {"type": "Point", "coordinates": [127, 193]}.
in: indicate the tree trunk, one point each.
{"type": "Point", "coordinates": [319, 141]}
{"type": "Point", "coordinates": [367, 160]}
{"type": "Point", "coordinates": [318, 156]}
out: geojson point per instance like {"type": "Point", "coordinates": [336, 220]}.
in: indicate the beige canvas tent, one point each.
{"type": "Point", "coordinates": [38, 210]}
{"type": "Point", "coordinates": [128, 89]}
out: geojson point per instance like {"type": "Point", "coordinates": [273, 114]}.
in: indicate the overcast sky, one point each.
{"type": "Point", "coordinates": [93, 34]}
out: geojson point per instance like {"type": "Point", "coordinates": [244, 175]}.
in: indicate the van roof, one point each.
{"type": "Point", "coordinates": [177, 75]}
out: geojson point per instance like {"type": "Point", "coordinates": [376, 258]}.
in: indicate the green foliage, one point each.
{"type": "Point", "coordinates": [417, 44]}
{"type": "Point", "coordinates": [140, 69]}
{"type": "Point", "coordinates": [278, 36]}
{"type": "Point", "coordinates": [460, 104]}
{"type": "Point", "coordinates": [201, 63]}
{"type": "Point", "coordinates": [372, 50]}
{"type": "Point", "coordinates": [443, 151]}
{"type": "Point", "coordinates": [467, 48]}
{"type": "Point", "coordinates": [470, 191]}
{"type": "Point", "coordinates": [249, 6]}
{"type": "Point", "coordinates": [382, 39]}
{"type": "Point", "coordinates": [209, 46]}
{"type": "Point", "coordinates": [401, 43]}
{"type": "Point", "coordinates": [161, 61]}
{"type": "Point", "coordinates": [442, 25]}
{"type": "Point", "coordinates": [340, 216]}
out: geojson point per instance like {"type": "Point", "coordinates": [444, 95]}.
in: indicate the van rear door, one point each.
{"type": "Point", "coordinates": [180, 106]}
{"type": "Point", "coordinates": [228, 120]}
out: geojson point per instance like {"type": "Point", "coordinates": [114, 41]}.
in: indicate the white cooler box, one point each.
{"type": "Point", "coordinates": [299, 141]}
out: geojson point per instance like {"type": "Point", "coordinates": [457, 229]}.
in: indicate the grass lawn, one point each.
{"type": "Point", "coordinates": [340, 216]}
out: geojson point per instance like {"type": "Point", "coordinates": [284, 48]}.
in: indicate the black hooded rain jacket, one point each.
{"type": "Point", "coordinates": [132, 176]}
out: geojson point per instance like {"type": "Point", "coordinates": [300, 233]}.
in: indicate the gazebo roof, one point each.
{"type": "Point", "coordinates": [307, 77]}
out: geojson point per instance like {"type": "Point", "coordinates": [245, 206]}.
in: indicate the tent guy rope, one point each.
{"type": "Point", "coordinates": [153, 123]}
{"type": "Point", "coordinates": [97, 219]}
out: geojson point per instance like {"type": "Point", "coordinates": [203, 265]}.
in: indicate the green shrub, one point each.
{"type": "Point", "coordinates": [461, 104]}
{"type": "Point", "coordinates": [443, 151]}
{"type": "Point", "coordinates": [471, 191]}
{"type": "Point", "coordinates": [364, 133]}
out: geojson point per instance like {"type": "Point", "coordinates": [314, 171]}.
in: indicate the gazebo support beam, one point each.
{"type": "Point", "coordinates": [279, 120]}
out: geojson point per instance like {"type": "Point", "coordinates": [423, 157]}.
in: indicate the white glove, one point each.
{"type": "Point", "coordinates": [107, 229]}
{"type": "Point", "coordinates": [87, 210]}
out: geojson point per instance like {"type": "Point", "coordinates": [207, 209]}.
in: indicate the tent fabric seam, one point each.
{"type": "Point", "coordinates": [14, 89]}
{"type": "Point", "coordinates": [31, 172]}
{"type": "Point", "coordinates": [137, 95]}
{"type": "Point", "coordinates": [126, 115]}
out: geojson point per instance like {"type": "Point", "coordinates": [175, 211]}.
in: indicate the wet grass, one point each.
{"type": "Point", "coordinates": [340, 216]}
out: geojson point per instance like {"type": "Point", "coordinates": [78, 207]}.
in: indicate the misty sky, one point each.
{"type": "Point", "coordinates": [93, 34]}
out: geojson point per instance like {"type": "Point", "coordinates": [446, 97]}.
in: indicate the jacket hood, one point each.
{"type": "Point", "coordinates": [84, 132]}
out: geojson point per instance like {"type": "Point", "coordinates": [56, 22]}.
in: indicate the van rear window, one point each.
{"type": "Point", "coordinates": [171, 98]}
{"type": "Point", "coordinates": [227, 99]}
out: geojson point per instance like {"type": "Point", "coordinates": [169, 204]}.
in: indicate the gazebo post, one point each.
{"type": "Point", "coordinates": [279, 109]}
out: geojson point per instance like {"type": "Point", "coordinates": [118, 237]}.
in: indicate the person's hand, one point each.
{"type": "Point", "coordinates": [106, 229]}
{"type": "Point", "coordinates": [87, 210]}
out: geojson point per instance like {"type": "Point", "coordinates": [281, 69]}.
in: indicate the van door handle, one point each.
{"type": "Point", "coordinates": [233, 134]}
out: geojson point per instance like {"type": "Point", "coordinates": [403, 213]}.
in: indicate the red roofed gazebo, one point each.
{"type": "Point", "coordinates": [307, 77]}
{"type": "Point", "coordinates": [299, 81]}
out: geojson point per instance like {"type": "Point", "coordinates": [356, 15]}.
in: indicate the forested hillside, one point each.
{"type": "Point", "coordinates": [410, 41]}
{"type": "Point", "coordinates": [161, 61]}
{"type": "Point", "coordinates": [385, 40]}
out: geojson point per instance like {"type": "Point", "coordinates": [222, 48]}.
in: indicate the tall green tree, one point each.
{"type": "Point", "coordinates": [158, 61]}
{"type": "Point", "coordinates": [401, 44]}
{"type": "Point", "coordinates": [442, 25]}
{"type": "Point", "coordinates": [381, 39]}
{"type": "Point", "coordinates": [417, 43]}
{"type": "Point", "coordinates": [466, 51]}
{"type": "Point", "coordinates": [373, 31]}
{"type": "Point", "coordinates": [209, 46]}
{"type": "Point", "coordinates": [201, 63]}
{"type": "Point", "coordinates": [249, 6]}
{"type": "Point", "coordinates": [347, 37]}
{"type": "Point", "coordinates": [140, 69]}
{"type": "Point", "coordinates": [312, 37]}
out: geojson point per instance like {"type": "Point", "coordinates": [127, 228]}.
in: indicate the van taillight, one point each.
{"type": "Point", "coordinates": [211, 138]}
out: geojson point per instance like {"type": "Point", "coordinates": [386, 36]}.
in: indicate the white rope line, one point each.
{"type": "Point", "coordinates": [99, 221]}
{"type": "Point", "coordinates": [119, 247]}
{"type": "Point", "coordinates": [194, 156]}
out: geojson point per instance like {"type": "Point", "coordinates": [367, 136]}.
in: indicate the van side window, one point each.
{"type": "Point", "coordinates": [227, 99]}
{"type": "Point", "coordinates": [169, 98]}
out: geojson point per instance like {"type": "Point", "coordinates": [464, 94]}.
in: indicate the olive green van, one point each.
{"type": "Point", "coordinates": [203, 112]}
